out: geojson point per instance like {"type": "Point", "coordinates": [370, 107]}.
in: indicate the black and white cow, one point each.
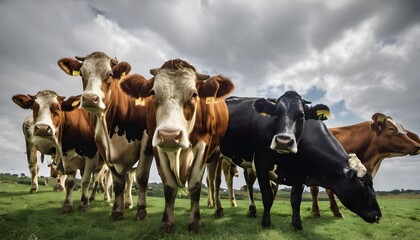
{"type": "Point", "coordinates": [299, 151]}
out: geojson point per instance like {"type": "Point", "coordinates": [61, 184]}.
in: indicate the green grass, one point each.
{"type": "Point", "coordinates": [38, 216]}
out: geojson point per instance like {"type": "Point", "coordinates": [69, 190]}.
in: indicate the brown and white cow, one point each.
{"type": "Point", "coordinates": [68, 133]}
{"type": "Point", "coordinates": [372, 142]}
{"type": "Point", "coordinates": [190, 117]}
{"type": "Point", "coordinates": [119, 124]}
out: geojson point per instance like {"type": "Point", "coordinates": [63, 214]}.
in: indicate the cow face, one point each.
{"type": "Point", "coordinates": [97, 71]}
{"type": "Point", "coordinates": [393, 138]}
{"type": "Point", "coordinates": [288, 114]}
{"type": "Point", "coordinates": [46, 106]}
{"type": "Point", "coordinates": [176, 90]}
{"type": "Point", "coordinates": [356, 192]}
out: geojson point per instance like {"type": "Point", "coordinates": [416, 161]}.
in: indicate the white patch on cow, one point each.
{"type": "Point", "coordinates": [357, 165]}
{"type": "Point", "coordinates": [94, 70]}
{"type": "Point", "coordinates": [172, 89]}
{"type": "Point", "coordinates": [399, 127]}
{"type": "Point", "coordinates": [197, 169]}
{"type": "Point", "coordinates": [44, 113]}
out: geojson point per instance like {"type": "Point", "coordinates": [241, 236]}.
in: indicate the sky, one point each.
{"type": "Point", "coordinates": [358, 57]}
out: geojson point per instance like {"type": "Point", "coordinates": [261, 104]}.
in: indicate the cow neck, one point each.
{"type": "Point", "coordinates": [78, 133]}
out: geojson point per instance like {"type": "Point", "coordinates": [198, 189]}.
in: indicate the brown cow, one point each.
{"type": "Point", "coordinates": [69, 134]}
{"type": "Point", "coordinates": [188, 117]}
{"type": "Point", "coordinates": [372, 142]}
{"type": "Point", "coordinates": [119, 124]}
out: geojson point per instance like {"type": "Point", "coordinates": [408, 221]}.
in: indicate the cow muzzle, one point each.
{"type": "Point", "coordinates": [43, 130]}
{"type": "Point", "coordinates": [91, 102]}
{"type": "Point", "coordinates": [170, 141]}
{"type": "Point", "coordinates": [283, 143]}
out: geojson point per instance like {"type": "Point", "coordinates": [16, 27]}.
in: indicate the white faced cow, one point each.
{"type": "Point", "coordinates": [190, 117]}
{"type": "Point", "coordinates": [119, 124]}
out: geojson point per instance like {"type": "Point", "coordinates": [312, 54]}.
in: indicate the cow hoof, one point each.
{"type": "Point", "coordinates": [141, 215]}
{"type": "Point", "coordinates": [83, 208]}
{"type": "Point", "coordinates": [233, 204]}
{"type": "Point", "coordinates": [67, 208]}
{"type": "Point", "coordinates": [219, 212]}
{"type": "Point", "coordinates": [116, 216]}
{"type": "Point", "coordinates": [166, 228]}
{"type": "Point", "coordinates": [316, 215]}
{"type": "Point", "coordinates": [210, 204]}
{"type": "Point", "coordinates": [297, 226]}
{"type": "Point", "coordinates": [194, 227]}
{"type": "Point", "coordinates": [252, 211]}
{"type": "Point", "coordinates": [338, 215]}
{"type": "Point", "coordinates": [128, 206]}
{"type": "Point", "coordinates": [33, 190]}
{"type": "Point", "coordinates": [91, 199]}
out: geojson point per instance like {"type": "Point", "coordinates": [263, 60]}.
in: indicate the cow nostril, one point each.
{"type": "Point", "coordinates": [291, 142]}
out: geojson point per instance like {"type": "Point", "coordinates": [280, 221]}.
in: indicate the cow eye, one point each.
{"type": "Point", "coordinates": [194, 95]}
{"type": "Point", "coordinates": [109, 74]}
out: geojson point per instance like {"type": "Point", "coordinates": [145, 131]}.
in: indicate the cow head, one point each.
{"type": "Point", "coordinates": [356, 191]}
{"type": "Point", "coordinates": [176, 90]}
{"type": "Point", "coordinates": [393, 138]}
{"type": "Point", "coordinates": [97, 71]}
{"type": "Point", "coordinates": [288, 114]}
{"type": "Point", "coordinates": [46, 108]}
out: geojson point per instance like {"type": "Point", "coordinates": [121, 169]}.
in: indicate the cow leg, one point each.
{"type": "Point", "coordinates": [194, 189]}
{"type": "Point", "coordinates": [68, 201]}
{"type": "Point", "coordinates": [33, 166]}
{"type": "Point", "coordinates": [90, 165]}
{"type": "Point", "coordinates": [250, 180]}
{"type": "Point", "coordinates": [119, 185]}
{"type": "Point", "coordinates": [315, 207]}
{"type": "Point", "coordinates": [333, 204]}
{"type": "Point", "coordinates": [94, 188]}
{"type": "Point", "coordinates": [107, 185]}
{"type": "Point", "coordinates": [142, 175]}
{"type": "Point", "coordinates": [266, 192]}
{"type": "Point", "coordinates": [295, 200]}
{"type": "Point", "coordinates": [128, 196]}
{"type": "Point", "coordinates": [229, 172]}
{"type": "Point", "coordinates": [217, 183]}
{"type": "Point", "coordinates": [61, 180]}
{"type": "Point", "coordinates": [210, 179]}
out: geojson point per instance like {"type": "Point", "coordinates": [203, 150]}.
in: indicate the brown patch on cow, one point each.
{"type": "Point", "coordinates": [177, 63]}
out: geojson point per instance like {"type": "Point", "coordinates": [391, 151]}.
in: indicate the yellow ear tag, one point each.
{"type": "Point", "coordinates": [263, 114]}
{"type": "Point", "coordinates": [211, 100]}
{"type": "Point", "coordinates": [75, 73]}
{"type": "Point", "coordinates": [140, 101]}
{"type": "Point", "coordinates": [380, 119]}
{"type": "Point", "coordinates": [75, 103]}
{"type": "Point", "coordinates": [324, 114]}
{"type": "Point", "coordinates": [123, 74]}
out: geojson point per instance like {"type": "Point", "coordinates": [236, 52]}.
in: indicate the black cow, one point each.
{"type": "Point", "coordinates": [320, 160]}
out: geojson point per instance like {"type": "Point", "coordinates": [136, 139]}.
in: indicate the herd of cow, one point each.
{"type": "Point", "coordinates": [185, 121]}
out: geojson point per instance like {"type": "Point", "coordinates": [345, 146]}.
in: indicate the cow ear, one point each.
{"type": "Point", "coordinates": [378, 122]}
{"type": "Point", "coordinates": [23, 101]}
{"type": "Point", "coordinates": [120, 70]}
{"type": "Point", "coordinates": [70, 66]}
{"type": "Point", "coordinates": [136, 86]}
{"type": "Point", "coordinates": [318, 112]}
{"type": "Point", "coordinates": [218, 86]}
{"type": "Point", "coordinates": [71, 103]}
{"type": "Point", "coordinates": [264, 107]}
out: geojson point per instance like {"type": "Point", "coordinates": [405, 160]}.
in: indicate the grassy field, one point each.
{"type": "Point", "coordinates": [38, 216]}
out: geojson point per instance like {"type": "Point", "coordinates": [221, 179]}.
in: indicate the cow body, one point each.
{"type": "Point", "coordinates": [119, 125]}
{"type": "Point", "coordinates": [188, 117]}
{"type": "Point", "coordinates": [372, 142]}
{"type": "Point", "coordinates": [255, 139]}
{"type": "Point", "coordinates": [69, 133]}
